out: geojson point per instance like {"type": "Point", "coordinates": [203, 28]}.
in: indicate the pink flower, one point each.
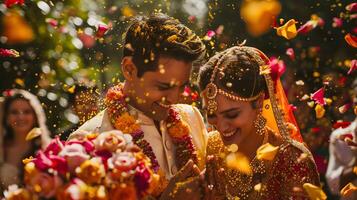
{"type": "Point", "coordinates": [337, 22]}
{"type": "Point", "coordinates": [277, 68]}
{"type": "Point", "coordinates": [8, 53]}
{"type": "Point", "coordinates": [10, 3]}
{"type": "Point", "coordinates": [353, 66]}
{"type": "Point", "coordinates": [111, 141]}
{"type": "Point", "coordinates": [210, 33]}
{"type": "Point", "coordinates": [55, 146]}
{"type": "Point", "coordinates": [352, 7]}
{"type": "Point", "coordinates": [44, 184]}
{"type": "Point", "coordinates": [318, 96]}
{"type": "Point", "coordinates": [75, 154]}
{"type": "Point", "coordinates": [44, 162]}
{"type": "Point", "coordinates": [123, 161]}
{"type": "Point", "coordinates": [87, 144]}
{"type": "Point", "coordinates": [290, 52]}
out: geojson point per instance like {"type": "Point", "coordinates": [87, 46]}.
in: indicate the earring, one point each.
{"type": "Point", "coordinates": [259, 123]}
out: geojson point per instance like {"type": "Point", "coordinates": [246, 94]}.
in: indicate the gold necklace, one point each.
{"type": "Point", "coordinates": [243, 183]}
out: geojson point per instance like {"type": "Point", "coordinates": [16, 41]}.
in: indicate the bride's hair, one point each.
{"type": "Point", "coordinates": [241, 72]}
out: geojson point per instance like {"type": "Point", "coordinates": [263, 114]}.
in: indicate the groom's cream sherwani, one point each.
{"type": "Point", "coordinates": [162, 144]}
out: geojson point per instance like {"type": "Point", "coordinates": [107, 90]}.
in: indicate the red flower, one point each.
{"type": "Point", "coordinates": [10, 3]}
{"type": "Point", "coordinates": [352, 7]}
{"type": "Point", "coordinates": [102, 29]}
{"type": "Point", "coordinates": [277, 68]}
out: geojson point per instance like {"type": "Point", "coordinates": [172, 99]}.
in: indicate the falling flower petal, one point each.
{"type": "Point", "coordinates": [267, 152]}
{"type": "Point", "coordinates": [311, 104]}
{"type": "Point", "coordinates": [344, 108]}
{"type": "Point", "coordinates": [351, 40]}
{"type": "Point", "coordinates": [210, 33]}
{"type": "Point", "coordinates": [355, 170]}
{"type": "Point", "coordinates": [101, 30]}
{"type": "Point", "coordinates": [352, 7]}
{"type": "Point", "coordinates": [290, 52]}
{"type": "Point", "coordinates": [299, 82]}
{"type": "Point", "coordinates": [337, 22]}
{"type": "Point", "coordinates": [311, 24]}
{"type": "Point", "coordinates": [305, 97]}
{"type": "Point", "coordinates": [52, 22]}
{"type": "Point", "coordinates": [288, 30]}
{"type": "Point", "coordinates": [277, 68]}
{"type": "Point", "coordinates": [71, 89]}
{"type": "Point", "coordinates": [314, 192]}
{"type": "Point", "coordinates": [10, 3]}
{"type": "Point", "coordinates": [318, 96]}
{"type": "Point", "coordinates": [352, 67]}
{"type": "Point", "coordinates": [9, 53]}
{"type": "Point", "coordinates": [341, 124]}
{"type": "Point", "coordinates": [348, 190]}
{"type": "Point", "coordinates": [320, 111]}
{"type": "Point", "coordinates": [238, 162]}
{"type": "Point", "coordinates": [35, 132]}
{"type": "Point", "coordinates": [127, 11]}
{"type": "Point", "coordinates": [20, 82]}
{"type": "Point", "coordinates": [355, 110]}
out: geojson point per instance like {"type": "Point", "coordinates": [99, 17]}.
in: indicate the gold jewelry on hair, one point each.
{"type": "Point", "coordinates": [212, 89]}
{"type": "Point", "coordinates": [259, 123]}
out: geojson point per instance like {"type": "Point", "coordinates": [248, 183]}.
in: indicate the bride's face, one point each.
{"type": "Point", "coordinates": [233, 119]}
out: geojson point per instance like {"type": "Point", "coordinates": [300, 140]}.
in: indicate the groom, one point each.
{"type": "Point", "coordinates": [156, 64]}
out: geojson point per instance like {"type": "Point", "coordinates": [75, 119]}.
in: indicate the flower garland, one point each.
{"type": "Point", "coordinates": [118, 111]}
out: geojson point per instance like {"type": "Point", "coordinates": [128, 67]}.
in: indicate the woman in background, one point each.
{"type": "Point", "coordinates": [20, 111]}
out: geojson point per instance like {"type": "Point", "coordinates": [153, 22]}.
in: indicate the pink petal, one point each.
{"type": "Point", "coordinates": [352, 7]}
{"type": "Point", "coordinates": [42, 162]}
{"type": "Point", "coordinates": [9, 53]}
{"type": "Point", "coordinates": [344, 108]}
{"type": "Point", "coordinates": [353, 66]}
{"type": "Point", "coordinates": [337, 22]}
{"type": "Point", "coordinates": [307, 27]}
{"type": "Point", "coordinates": [52, 22]}
{"type": "Point", "coordinates": [290, 52]}
{"type": "Point", "coordinates": [277, 68]}
{"type": "Point", "coordinates": [318, 96]}
{"type": "Point", "coordinates": [55, 146]}
{"type": "Point", "coordinates": [210, 33]}
{"type": "Point", "coordinates": [102, 29]}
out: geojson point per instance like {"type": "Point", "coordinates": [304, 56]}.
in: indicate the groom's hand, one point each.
{"type": "Point", "coordinates": [190, 169]}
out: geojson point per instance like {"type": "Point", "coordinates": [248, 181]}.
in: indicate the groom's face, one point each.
{"type": "Point", "coordinates": [156, 90]}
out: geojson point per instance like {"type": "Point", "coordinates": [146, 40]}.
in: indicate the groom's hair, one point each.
{"type": "Point", "coordinates": [148, 38]}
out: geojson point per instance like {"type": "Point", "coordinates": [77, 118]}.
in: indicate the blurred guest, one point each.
{"type": "Point", "coordinates": [20, 111]}
{"type": "Point", "coordinates": [84, 102]}
{"type": "Point", "coordinates": [343, 158]}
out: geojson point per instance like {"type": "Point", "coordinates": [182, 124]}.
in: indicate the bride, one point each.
{"type": "Point", "coordinates": [246, 104]}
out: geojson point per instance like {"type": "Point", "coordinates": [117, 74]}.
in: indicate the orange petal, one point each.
{"type": "Point", "coordinates": [351, 40]}
{"type": "Point", "coordinates": [267, 152]}
{"type": "Point", "coordinates": [238, 162]}
{"type": "Point", "coordinates": [314, 192]}
{"type": "Point", "coordinates": [35, 132]}
{"type": "Point", "coordinates": [348, 189]}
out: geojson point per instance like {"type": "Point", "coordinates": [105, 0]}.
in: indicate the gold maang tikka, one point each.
{"type": "Point", "coordinates": [212, 89]}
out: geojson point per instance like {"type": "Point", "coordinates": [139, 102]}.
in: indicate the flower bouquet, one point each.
{"type": "Point", "coordinates": [95, 166]}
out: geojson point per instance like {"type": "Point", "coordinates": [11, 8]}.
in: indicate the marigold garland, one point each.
{"type": "Point", "coordinates": [179, 131]}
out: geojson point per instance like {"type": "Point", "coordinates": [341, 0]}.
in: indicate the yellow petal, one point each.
{"type": "Point", "coordinates": [314, 192]}
{"type": "Point", "coordinates": [20, 82]}
{"type": "Point", "coordinates": [355, 170]}
{"type": "Point", "coordinates": [267, 152]}
{"type": "Point", "coordinates": [348, 189]}
{"type": "Point", "coordinates": [238, 162]}
{"type": "Point", "coordinates": [320, 111]}
{"type": "Point", "coordinates": [288, 30]}
{"type": "Point", "coordinates": [233, 148]}
{"type": "Point", "coordinates": [35, 132]}
{"type": "Point", "coordinates": [71, 89]}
